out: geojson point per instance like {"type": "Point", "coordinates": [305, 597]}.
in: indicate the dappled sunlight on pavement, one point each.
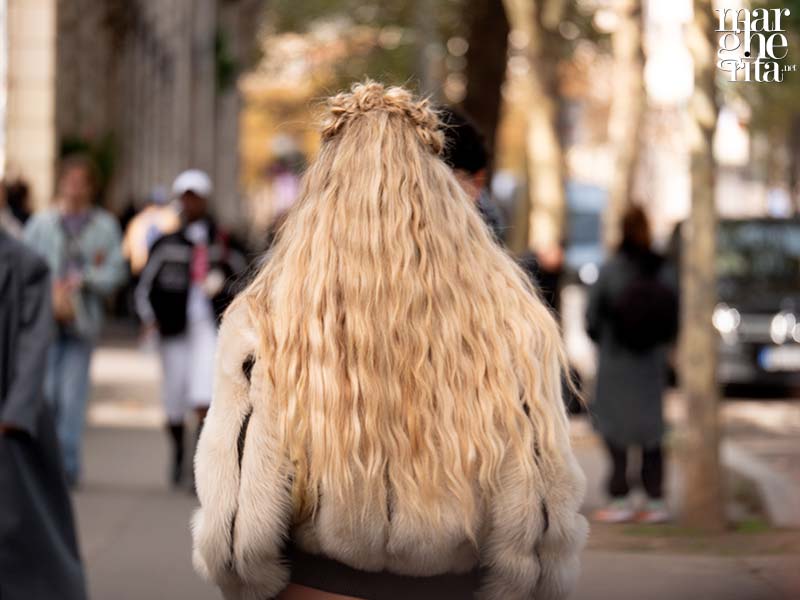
{"type": "Point", "coordinates": [125, 388]}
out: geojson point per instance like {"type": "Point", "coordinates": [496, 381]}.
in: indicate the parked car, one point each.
{"type": "Point", "coordinates": [758, 315]}
{"type": "Point", "coordinates": [583, 243]}
{"type": "Point", "coordinates": [583, 255]}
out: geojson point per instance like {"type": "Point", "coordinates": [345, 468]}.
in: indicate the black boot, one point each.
{"type": "Point", "coordinates": [176, 435]}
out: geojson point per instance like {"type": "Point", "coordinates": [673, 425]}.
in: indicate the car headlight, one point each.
{"type": "Point", "coordinates": [782, 327]}
{"type": "Point", "coordinates": [726, 319]}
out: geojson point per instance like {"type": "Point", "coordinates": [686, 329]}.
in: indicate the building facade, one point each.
{"type": "Point", "coordinates": [148, 88]}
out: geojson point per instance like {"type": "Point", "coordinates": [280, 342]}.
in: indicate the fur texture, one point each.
{"type": "Point", "coordinates": [239, 530]}
{"type": "Point", "coordinates": [246, 513]}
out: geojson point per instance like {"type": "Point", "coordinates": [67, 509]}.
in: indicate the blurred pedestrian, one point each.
{"type": "Point", "coordinates": [8, 221]}
{"type": "Point", "coordinates": [156, 219]}
{"type": "Point", "coordinates": [388, 392]}
{"type": "Point", "coordinates": [632, 315]}
{"type": "Point", "coordinates": [18, 199]}
{"type": "Point", "coordinates": [546, 268]}
{"type": "Point", "coordinates": [81, 245]}
{"type": "Point", "coordinates": [188, 281]}
{"type": "Point", "coordinates": [465, 152]}
{"type": "Point", "coordinates": [38, 548]}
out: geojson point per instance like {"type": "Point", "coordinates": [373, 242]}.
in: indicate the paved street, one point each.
{"type": "Point", "coordinates": [134, 531]}
{"type": "Point", "coordinates": [136, 543]}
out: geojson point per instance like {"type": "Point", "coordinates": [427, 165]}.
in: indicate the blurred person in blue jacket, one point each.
{"type": "Point", "coordinates": [80, 243]}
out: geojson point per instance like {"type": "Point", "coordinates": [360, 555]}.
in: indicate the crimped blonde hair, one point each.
{"type": "Point", "coordinates": [405, 353]}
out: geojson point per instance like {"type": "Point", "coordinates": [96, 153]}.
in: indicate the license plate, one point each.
{"type": "Point", "coordinates": [780, 358]}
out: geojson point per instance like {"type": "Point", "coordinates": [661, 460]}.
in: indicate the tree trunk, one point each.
{"type": "Point", "coordinates": [486, 65]}
{"type": "Point", "coordinates": [543, 145]}
{"type": "Point", "coordinates": [627, 114]}
{"type": "Point", "coordinates": [703, 506]}
{"type": "Point", "coordinates": [427, 67]}
{"type": "Point", "coordinates": [794, 155]}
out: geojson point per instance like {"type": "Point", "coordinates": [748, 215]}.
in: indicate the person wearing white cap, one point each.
{"type": "Point", "coordinates": [188, 281]}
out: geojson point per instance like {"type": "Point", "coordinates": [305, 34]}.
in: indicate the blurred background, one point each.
{"type": "Point", "coordinates": [587, 107]}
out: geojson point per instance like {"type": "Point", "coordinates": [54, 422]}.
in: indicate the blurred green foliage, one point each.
{"type": "Point", "coordinates": [393, 63]}
{"type": "Point", "coordinates": [226, 66]}
{"type": "Point", "coordinates": [290, 15]}
{"type": "Point", "coordinates": [430, 20]}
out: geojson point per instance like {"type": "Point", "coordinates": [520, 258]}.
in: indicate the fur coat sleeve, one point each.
{"type": "Point", "coordinates": [242, 484]}
{"type": "Point", "coordinates": [536, 533]}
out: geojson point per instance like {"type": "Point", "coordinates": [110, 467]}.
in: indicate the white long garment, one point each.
{"type": "Point", "coordinates": [187, 363]}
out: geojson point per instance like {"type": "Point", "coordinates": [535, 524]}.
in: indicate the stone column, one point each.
{"type": "Point", "coordinates": [124, 123]}
{"type": "Point", "coordinates": [31, 84]}
{"type": "Point", "coordinates": [3, 81]}
{"type": "Point", "coordinates": [163, 104]}
{"type": "Point", "coordinates": [238, 23]}
{"type": "Point", "coordinates": [228, 105]}
{"type": "Point", "coordinates": [135, 106]}
{"type": "Point", "coordinates": [182, 113]}
{"type": "Point", "coordinates": [149, 122]}
{"type": "Point", "coordinates": [203, 86]}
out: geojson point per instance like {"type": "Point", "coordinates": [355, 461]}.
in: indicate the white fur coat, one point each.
{"type": "Point", "coordinates": [530, 538]}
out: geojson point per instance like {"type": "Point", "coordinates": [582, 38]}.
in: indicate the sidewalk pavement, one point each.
{"type": "Point", "coordinates": [134, 530]}
{"type": "Point", "coordinates": [135, 535]}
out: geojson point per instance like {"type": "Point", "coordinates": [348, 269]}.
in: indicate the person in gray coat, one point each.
{"type": "Point", "coordinates": [632, 316]}
{"type": "Point", "coordinates": [38, 548]}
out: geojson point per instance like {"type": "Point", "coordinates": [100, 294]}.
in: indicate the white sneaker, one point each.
{"type": "Point", "coordinates": [655, 512]}
{"type": "Point", "coordinates": [619, 511]}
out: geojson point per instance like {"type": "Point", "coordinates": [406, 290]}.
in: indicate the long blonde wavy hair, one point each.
{"type": "Point", "coordinates": [406, 354]}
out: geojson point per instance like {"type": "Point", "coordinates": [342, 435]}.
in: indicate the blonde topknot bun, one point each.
{"type": "Point", "coordinates": [369, 96]}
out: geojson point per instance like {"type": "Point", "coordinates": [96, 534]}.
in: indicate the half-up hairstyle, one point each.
{"type": "Point", "coordinates": [405, 354]}
{"type": "Point", "coordinates": [371, 96]}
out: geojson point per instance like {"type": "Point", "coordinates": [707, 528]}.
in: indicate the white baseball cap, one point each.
{"type": "Point", "coordinates": [193, 180]}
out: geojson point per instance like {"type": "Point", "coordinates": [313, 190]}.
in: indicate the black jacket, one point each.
{"type": "Point", "coordinates": [39, 557]}
{"type": "Point", "coordinates": [163, 291]}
